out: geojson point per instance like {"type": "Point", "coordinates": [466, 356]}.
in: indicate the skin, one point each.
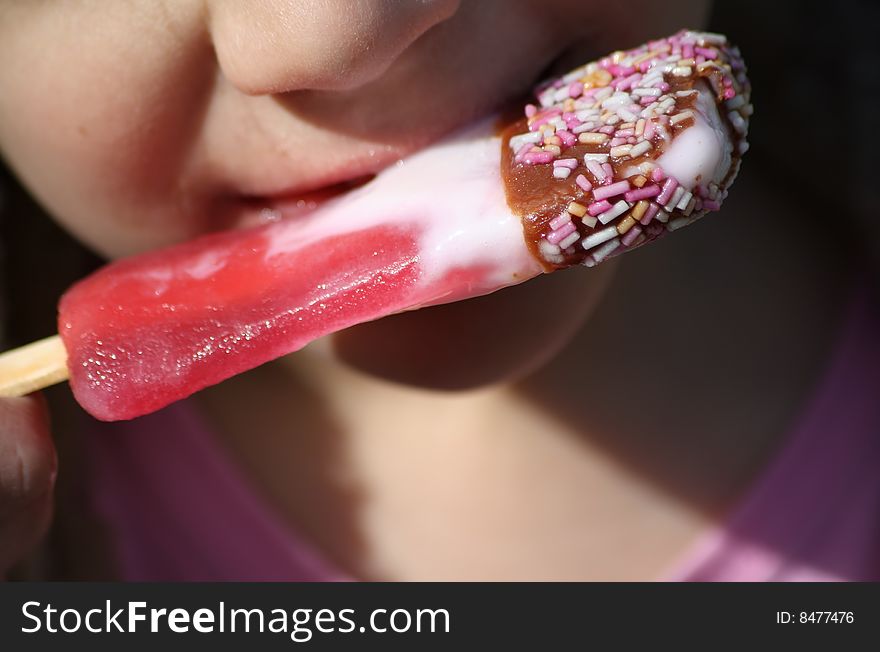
{"type": "Point", "coordinates": [171, 119]}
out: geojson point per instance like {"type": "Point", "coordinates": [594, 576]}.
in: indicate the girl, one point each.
{"type": "Point", "coordinates": [703, 409]}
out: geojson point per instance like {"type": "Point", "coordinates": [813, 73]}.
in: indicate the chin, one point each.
{"type": "Point", "coordinates": [498, 338]}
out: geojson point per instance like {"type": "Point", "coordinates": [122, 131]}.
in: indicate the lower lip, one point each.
{"type": "Point", "coordinates": [266, 210]}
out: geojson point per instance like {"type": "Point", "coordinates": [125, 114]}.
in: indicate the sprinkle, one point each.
{"type": "Point", "coordinates": [570, 163]}
{"type": "Point", "coordinates": [589, 220]}
{"type": "Point", "coordinates": [668, 188]}
{"type": "Point", "coordinates": [642, 193]}
{"type": "Point", "coordinates": [638, 210]}
{"type": "Point", "coordinates": [603, 252]}
{"type": "Point", "coordinates": [568, 139]}
{"type": "Point", "coordinates": [677, 223]}
{"type": "Point", "coordinates": [640, 149]}
{"type": "Point", "coordinates": [612, 190]}
{"type": "Point", "coordinates": [638, 181]}
{"type": "Point", "coordinates": [609, 172]}
{"type": "Point", "coordinates": [595, 168]}
{"type": "Point", "coordinates": [598, 207]}
{"type": "Point", "coordinates": [599, 237]}
{"type": "Point", "coordinates": [576, 209]}
{"type": "Point", "coordinates": [625, 224]}
{"type": "Point", "coordinates": [711, 205]}
{"type": "Point", "coordinates": [550, 251]}
{"type": "Point", "coordinates": [531, 110]}
{"type": "Point", "coordinates": [676, 196]}
{"type": "Point", "coordinates": [595, 156]}
{"type": "Point", "coordinates": [592, 138]}
{"type": "Point", "coordinates": [649, 214]}
{"type": "Point", "coordinates": [615, 211]}
{"type": "Point", "coordinates": [682, 71]}
{"type": "Point", "coordinates": [678, 117]}
{"type": "Point", "coordinates": [620, 151]}
{"type": "Point", "coordinates": [647, 92]}
{"type": "Point", "coordinates": [658, 174]}
{"type": "Point", "coordinates": [535, 158]}
{"type": "Point", "coordinates": [649, 129]}
{"type": "Point", "coordinates": [554, 237]}
{"type": "Point", "coordinates": [561, 172]}
{"type": "Point", "coordinates": [576, 89]}
{"type": "Point", "coordinates": [569, 240]}
{"type": "Point", "coordinates": [662, 216]}
{"type": "Point", "coordinates": [683, 201]}
{"type": "Point", "coordinates": [633, 233]}
{"type": "Point", "coordinates": [559, 221]}
{"type": "Point", "coordinates": [583, 183]}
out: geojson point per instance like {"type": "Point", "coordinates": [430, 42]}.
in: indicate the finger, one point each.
{"type": "Point", "coordinates": [27, 476]}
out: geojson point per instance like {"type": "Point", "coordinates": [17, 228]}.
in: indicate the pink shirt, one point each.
{"type": "Point", "coordinates": [178, 509]}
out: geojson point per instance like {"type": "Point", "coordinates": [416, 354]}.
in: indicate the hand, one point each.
{"type": "Point", "coordinates": [27, 477]}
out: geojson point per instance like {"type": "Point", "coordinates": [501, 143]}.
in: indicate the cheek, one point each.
{"type": "Point", "coordinates": [99, 128]}
{"type": "Point", "coordinates": [497, 338]}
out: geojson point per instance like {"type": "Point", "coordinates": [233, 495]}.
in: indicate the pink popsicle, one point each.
{"type": "Point", "coordinates": [437, 227]}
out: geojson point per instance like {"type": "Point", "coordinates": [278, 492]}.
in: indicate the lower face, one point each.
{"type": "Point", "coordinates": [138, 124]}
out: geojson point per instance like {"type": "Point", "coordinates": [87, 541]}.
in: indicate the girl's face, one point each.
{"type": "Point", "coordinates": [139, 123]}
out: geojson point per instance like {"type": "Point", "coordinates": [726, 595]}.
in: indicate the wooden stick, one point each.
{"type": "Point", "coordinates": [32, 367]}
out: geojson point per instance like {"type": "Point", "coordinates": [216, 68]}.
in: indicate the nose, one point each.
{"type": "Point", "coordinates": [277, 46]}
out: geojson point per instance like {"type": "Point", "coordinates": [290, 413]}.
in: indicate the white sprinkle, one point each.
{"type": "Point", "coordinates": [675, 197]}
{"type": "Point", "coordinates": [690, 207]}
{"type": "Point", "coordinates": [605, 250]}
{"type": "Point", "coordinates": [592, 156]}
{"type": "Point", "coordinates": [627, 115]}
{"type": "Point", "coordinates": [589, 220]}
{"type": "Point", "coordinates": [647, 92]}
{"type": "Point", "coordinates": [521, 139]}
{"type": "Point", "coordinates": [683, 201]}
{"type": "Point", "coordinates": [615, 211]}
{"type": "Point", "coordinates": [678, 117]}
{"type": "Point", "coordinates": [620, 151]}
{"type": "Point", "coordinates": [560, 172]}
{"type": "Point", "coordinates": [550, 252]}
{"type": "Point", "coordinates": [570, 239]}
{"type": "Point", "coordinates": [735, 102]}
{"type": "Point", "coordinates": [662, 216]}
{"type": "Point", "coordinates": [581, 128]}
{"type": "Point", "coordinates": [640, 148]}
{"type": "Point", "coordinates": [598, 237]}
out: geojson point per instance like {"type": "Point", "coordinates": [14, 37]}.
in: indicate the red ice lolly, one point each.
{"type": "Point", "coordinates": [619, 152]}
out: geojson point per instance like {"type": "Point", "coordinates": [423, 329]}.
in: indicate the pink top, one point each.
{"type": "Point", "coordinates": [180, 510]}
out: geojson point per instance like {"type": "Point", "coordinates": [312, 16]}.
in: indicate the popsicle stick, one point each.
{"type": "Point", "coordinates": [32, 367]}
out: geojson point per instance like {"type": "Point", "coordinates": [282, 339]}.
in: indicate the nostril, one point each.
{"type": "Point", "coordinates": [281, 46]}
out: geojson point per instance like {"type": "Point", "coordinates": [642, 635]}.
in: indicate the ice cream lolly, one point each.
{"type": "Point", "coordinates": [612, 155]}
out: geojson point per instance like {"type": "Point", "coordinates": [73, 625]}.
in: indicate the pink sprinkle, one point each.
{"type": "Point", "coordinates": [531, 110]}
{"type": "Point", "coordinates": [611, 191]}
{"type": "Point", "coordinates": [711, 205]}
{"type": "Point", "coordinates": [649, 129]}
{"type": "Point", "coordinates": [575, 89]}
{"type": "Point", "coordinates": [649, 214]}
{"type": "Point", "coordinates": [624, 133]}
{"type": "Point", "coordinates": [533, 158]}
{"type": "Point", "coordinates": [709, 53]}
{"type": "Point", "coordinates": [687, 51]}
{"type": "Point", "coordinates": [570, 163]}
{"type": "Point", "coordinates": [598, 207]}
{"type": "Point", "coordinates": [644, 65]}
{"type": "Point", "coordinates": [642, 193]}
{"type": "Point", "coordinates": [657, 174]}
{"type": "Point", "coordinates": [630, 235]}
{"type": "Point", "coordinates": [609, 172]}
{"type": "Point", "coordinates": [560, 220]}
{"type": "Point", "coordinates": [596, 169]}
{"type": "Point", "coordinates": [522, 152]}
{"type": "Point", "coordinates": [663, 86]}
{"type": "Point", "coordinates": [607, 129]}
{"type": "Point", "coordinates": [645, 101]}
{"type": "Point", "coordinates": [729, 93]}
{"type": "Point", "coordinates": [555, 236]}
{"type": "Point", "coordinates": [625, 70]}
{"type": "Point", "coordinates": [568, 139]}
{"type": "Point", "coordinates": [583, 183]}
{"type": "Point", "coordinates": [669, 187]}
{"type": "Point", "coordinates": [616, 141]}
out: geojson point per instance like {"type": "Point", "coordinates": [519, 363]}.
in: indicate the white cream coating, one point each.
{"type": "Point", "coordinates": [702, 152]}
{"type": "Point", "coordinates": [454, 194]}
